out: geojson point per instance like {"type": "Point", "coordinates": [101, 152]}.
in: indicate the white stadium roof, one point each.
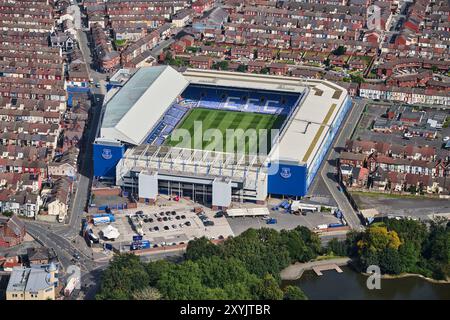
{"type": "Point", "coordinates": [133, 111]}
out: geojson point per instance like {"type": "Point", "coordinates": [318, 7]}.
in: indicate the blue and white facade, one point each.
{"type": "Point", "coordinates": [315, 110]}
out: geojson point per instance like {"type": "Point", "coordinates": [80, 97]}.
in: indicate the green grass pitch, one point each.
{"type": "Point", "coordinates": [223, 120]}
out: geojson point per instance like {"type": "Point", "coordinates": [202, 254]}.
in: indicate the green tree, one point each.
{"type": "Point", "coordinates": [242, 68]}
{"type": "Point", "coordinates": [294, 293]}
{"type": "Point", "coordinates": [339, 51]}
{"type": "Point", "coordinates": [268, 289]}
{"type": "Point", "coordinates": [298, 251]}
{"type": "Point", "coordinates": [182, 282]}
{"type": "Point", "coordinates": [221, 65]}
{"type": "Point", "coordinates": [155, 269]}
{"type": "Point", "coordinates": [390, 261]}
{"type": "Point", "coordinates": [8, 213]}
{"type": "Point", "coordinates": [125, 275]}
{"type": "Point", "coordinates": [311, 239]}
{"type": "Point", "coordinates": [148, 293]}
{"type": "Point", "coordinates": [201, 247]}
{"type": "Point", "coordinates": [337, 248]}
{"type": "Point", "coordinates": [259, 255]}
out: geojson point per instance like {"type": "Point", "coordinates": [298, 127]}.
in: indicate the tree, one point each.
{"type": "Point", "coordinates": [298, 251]}
{"type": "Point", "coordinates": [182, 282]}
{"type": "Point", "coordinates": [155, 269]}
{"type": "Point", "coordinates": [259, 252]}
{"type": "Point", "coordinates": [339, 51]}
{"type": "Point", "coordinates": [390, 261]}
{"type": "Point", "coordinates": [377, 238]}
{"type": "Point", "coordinates": [8, 213]}
{"type": "Point", "coordinates": [242, 68]}
{"type": "Point", "coordinates": [336, 247]}
{"type": "Point", "coordinates": [148, 293]}
{"type": "Point", "coordinates": [125, 275]}
{"type": "Point", "coordinates": [268, 289]}
{"type": "Point", "coordinates": [311, 239]}
{"type": "Point", "coordinates": [201, 247]}
{"type": "Point", "coordinates": [221, 65]}
{"type": "Point", "coordinates": [294, 293]}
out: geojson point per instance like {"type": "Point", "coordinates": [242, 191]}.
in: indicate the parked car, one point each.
{"type": "Point", "coordinates": [177, 217]}
{"type": "Point", "coordinates": [156, 228]}
{"type": "Point", "coordinates": [174, 226]}
{"type": "Point", "coordinates": [271, 221]}
{"type": "Point", "coordinates": [208, 223]}
{"type": "Point", "coordinates": [188, 223]}
{"type": "Point", "coordinates": [165, 219]}
{"type": "Point", "coordinates": [183, 216]}
{"type": "Point", "coordinates": [219, 214]}
{"type": "Point", "coordinates": [166, 228]}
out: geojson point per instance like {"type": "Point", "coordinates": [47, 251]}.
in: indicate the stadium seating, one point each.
{"type": "Point", "coordinates": [164, 128]}
{"type": "Point", "coordinates": [239, 100]}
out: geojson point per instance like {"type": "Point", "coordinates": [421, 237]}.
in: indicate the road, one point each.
{"type": "Point", "coordinates": [329, 167]}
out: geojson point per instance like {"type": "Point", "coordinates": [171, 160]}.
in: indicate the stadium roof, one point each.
{"type": "Point", "coordinates": [131, 113]}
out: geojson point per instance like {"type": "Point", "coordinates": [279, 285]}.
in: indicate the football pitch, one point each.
{"type": "Point", "coordinates": [199, 120]}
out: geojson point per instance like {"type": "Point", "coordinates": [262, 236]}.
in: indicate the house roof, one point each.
{"type": "Point", "coordinates": [16, 225]}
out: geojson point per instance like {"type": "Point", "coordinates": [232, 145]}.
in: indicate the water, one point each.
{"type": "Point", "coordinates": [352, 285]}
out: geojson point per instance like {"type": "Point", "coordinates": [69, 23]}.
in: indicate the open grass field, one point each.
{"type": "Point", "coordinates": [223, 120]}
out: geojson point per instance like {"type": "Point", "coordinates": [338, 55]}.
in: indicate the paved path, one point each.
{"type": "Point", "coordinates": [329, 167]}
{"type": "Point", "coordinates": [295, 271]}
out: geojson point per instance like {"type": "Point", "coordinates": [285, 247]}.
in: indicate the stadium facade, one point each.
{"type": "Point", "coordinates": [139, 118]}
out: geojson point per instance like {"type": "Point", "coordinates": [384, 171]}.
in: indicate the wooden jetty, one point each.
{"type": "Point", "coordinates": [332, 266]}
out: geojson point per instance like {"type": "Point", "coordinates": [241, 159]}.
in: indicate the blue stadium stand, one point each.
{"type": "Point", "coordinates": [240, 100]}
{"type": "Point", "coordinates": [165, 127]}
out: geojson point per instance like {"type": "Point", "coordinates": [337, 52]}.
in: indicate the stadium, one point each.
{"type": "Point", "coordinates": [216, 137]}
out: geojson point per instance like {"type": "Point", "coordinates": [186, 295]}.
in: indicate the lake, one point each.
{"type": "Point", "coordinates": [352, 285]}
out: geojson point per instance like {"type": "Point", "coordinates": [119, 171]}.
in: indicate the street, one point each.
{"type": "Point", "coordinates": [328, 169]}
